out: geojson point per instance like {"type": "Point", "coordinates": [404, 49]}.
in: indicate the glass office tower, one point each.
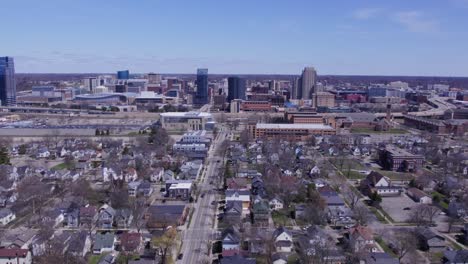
{"type": "Point", "coordinates": [7, 81]}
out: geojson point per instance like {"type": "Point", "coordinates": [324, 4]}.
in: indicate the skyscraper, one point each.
{"type": "Point", "coordinates": [309, 79]}
{"type": "Point", "coordinates": [236, 88]}
{"type": "Point", "coordinates": [123, 75]}
{"type": "Point", "coordinates": [7, 81]}
{"type": "Point", "coordinates": [297, 90]}
{"type": "Point", "coordinates": [201, 97]}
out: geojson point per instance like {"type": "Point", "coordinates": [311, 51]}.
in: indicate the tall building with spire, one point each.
{"type": "Point", "coordinates": [7, 81]}
{"type": "Point", "coordinates": [308, 82]}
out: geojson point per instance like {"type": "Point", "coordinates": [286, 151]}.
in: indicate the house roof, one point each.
{"type": "Point", "coordinates": [234, 207]}
{"type": "Point", "coordinates": [130, 241]}
{"type": "Point", "coordinates": [380, 258]}
{"type": "Point", "coordinates": [456, 256]}
{"type": "Point", "coordinates": [13, 252]}
{"type": "Point", "coordinates": [373, 178]}
{"type": "Point", "coordinates": [361, 231]}
{"type": "Point", "coordinates": [5, 212]}
{"type": "Point", "coordinates": [280, 230]}
{"type": "Point", "coordinates": [103, 240]}
{"type": "Point", "coordinates": [237, 259]}
{"type": "Point", "coordinates": [416, 193]}
{"type": "Point", "coordinates": [88, 211]}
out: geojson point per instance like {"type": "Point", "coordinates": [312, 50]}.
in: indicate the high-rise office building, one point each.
{"type": "Point", "coordinates": [123, 75]}
{"type": "Point", "coordinates": [90, 83]}
{"type": "Point", "coordinates": [201, 97]}
{"type": "Point", "coordinates": [154, 78]}
{"type": "Point", "coordinates": [309, 79]}
{"type": "Point", "coordinates": [236, 88]}
{"type": "Point", "coordinates": [7, 81]}
{"type": "Point", "coordinates": [297, 90]}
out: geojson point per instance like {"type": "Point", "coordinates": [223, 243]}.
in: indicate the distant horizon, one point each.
{"type": "Point", "coordinates": [251, 74]}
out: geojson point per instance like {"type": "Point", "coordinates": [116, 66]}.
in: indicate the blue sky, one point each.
{"type": "Point", "coordinates": [393, 37]}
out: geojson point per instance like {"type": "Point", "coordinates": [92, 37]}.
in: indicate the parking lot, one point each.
{"type": "Point", "coordinates": [394, 207]}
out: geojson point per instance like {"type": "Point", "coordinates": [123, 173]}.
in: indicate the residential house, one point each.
{"type": "Point", "coordinates": [179, 189]}
{"type": "Point", "coordinates": [419, 196]}
{"type": "Point", "coordinates": [283, 240]}
{"type": "Point", "coordinates": [378, 258]}
{"type": "Point", "coordinates": [376, 182]}
{"type": "Point", "coordinates": [457, 209]}
{"type": "Point", "coordinates": [261, 213]}
{"type": "Point", "coordinates": [233, 212]}
{"type": "Point", "coordinates": [428, 240]}
{"type": "Point", "coordinates": [131, 242]}
{"type": "Point", "coordinates": [230, 240]}
{"type": "Point", "coordinates": [168, 175]}
{"type": "Point", "coordinates": [73, 218]}
{"type": "Point", "coordinates": [53, 217]}
{"type": "Point", "coordinates": [6, 216]}
{"type": "Point", "coordinates": [237, 259]}
{"type": "Point", "coordinates": [123, 217]}
{"type": "Point", "coordinates": [79, 243]}
{"type": "Point", "coordinates": [103, 243]}
{"type": "Point", "coordinates": [133, 188]}
{"type": "Point", "coordinates": [43, 153]}
{"type": "Point", "coordinates": [190, 170]}
{"type": "Point", "coordinates": [237, 183]}
{"type": "Point", "coordinates": [15, 255]}
{"type": "Point", "coordinates": [157, 174]}
{"type": "Point", "coordinates": [315, 171]}
{"type": "Point", "coordinates": [239, 195]}
{"type": "Point", "coordinates": [276, 204]}
{"type": "Point", "coordinates": [279, 258]}
{"type": "Point", "coordinates": [145, 189]}
{"type": "Point", "coordinates": [361, 239]}
{"type": "Point", "coordinates": [130, 174]}
{"type": "Point", "coordinates": [162, 216]}
{"type": "Point", "coordinates": [88, 215]}
{"type": "Point", "coordinates": [106, 216]}
{"type": "Point", "coordinates": [455, 257]}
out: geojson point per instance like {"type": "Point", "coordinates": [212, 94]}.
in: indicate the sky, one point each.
{"type": "Point", "coordinates": [358, 37]}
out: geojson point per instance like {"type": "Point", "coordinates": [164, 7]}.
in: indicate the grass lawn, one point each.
{"type": "Point", "coordinates": [280, 218]}
{"type": "Point", "coordinates": [384, 246]}
{"type": "Point", "coordinates": [371, 131]}
{"type": "Point", "coordinates": [396, 176]}
{"type": "Point", "coordinates": [379, 217]}
{"type": "Point", "coordinates": [61, 166]}
{"type": "Point", "coordinates": [354, 175]}
{"type": "Point", "coordinates": [94, 259]}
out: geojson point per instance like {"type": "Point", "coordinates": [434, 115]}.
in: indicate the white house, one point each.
{"type": "Point", "coordinates": [357, 152]}
{"type": "Point", "coordinates": [43, 153]}
{"type": "Point", "coordinates": [315, 170]}
{"type": "Point", "coordinates": [276, 204]}
{"type": "Point", "coordinates": [6, 216]}
{"type": "Point", "coordinates": [283, 240]}
{"type": "Point", "coordinates": [157, 174]}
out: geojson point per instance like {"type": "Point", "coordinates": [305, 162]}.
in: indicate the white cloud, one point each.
{"type": "Point", "coordinates": [416, 21]}
{"type": "Point", "coordinates": [366, 13]}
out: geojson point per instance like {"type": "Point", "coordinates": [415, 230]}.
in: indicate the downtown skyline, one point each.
{"type": "Point", "coordinates": [421, 38]}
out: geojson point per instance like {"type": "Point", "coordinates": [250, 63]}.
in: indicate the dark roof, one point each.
{"type": "Point", "coordinates": [281, 230]}
{"type": "Point", "coordinates": [130, 241]}
{"type": "Point", "coordinates": [234, 207]}
{"type": "Point", "coordinates": [373, 178]}
{"type": "Point", "coordinates": [237, 259]}
{"type": "Point", "coordinates": [456, 256]}
{"type": "Point", "coordinates": [380, 258]}
{"type": "Point", "coordinates": [176, 209]}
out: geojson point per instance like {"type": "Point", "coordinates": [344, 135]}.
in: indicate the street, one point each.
{"type": "Point", "coordinates": [196, 238]}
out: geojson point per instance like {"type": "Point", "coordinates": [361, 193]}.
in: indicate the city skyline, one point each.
{"type": "Point", "coordinates": [420, 38]}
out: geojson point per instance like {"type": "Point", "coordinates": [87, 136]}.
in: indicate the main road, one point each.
{"type": "Point", "coordinates": [196, 238]}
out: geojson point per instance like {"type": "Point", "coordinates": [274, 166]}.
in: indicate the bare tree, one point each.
{"type": "Point", "coordinates": [165, 243]}
{"type": "Point", "coordinates": [351, 196]}
{"type": "Point", "coordinates": [361, 214]}
{"type": "Point", "coordinates": [404, 242]}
